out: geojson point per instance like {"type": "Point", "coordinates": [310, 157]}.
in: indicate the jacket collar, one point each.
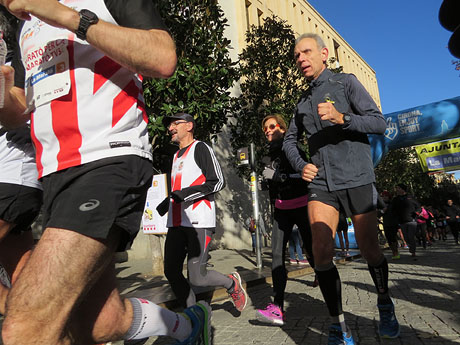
{"type": "Point", "coordinates": [324, 76]}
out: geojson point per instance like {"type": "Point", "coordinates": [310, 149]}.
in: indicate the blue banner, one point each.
{"type": "Point", "coordinates": [416, 126]}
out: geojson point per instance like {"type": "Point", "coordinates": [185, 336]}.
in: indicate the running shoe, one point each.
{"type": "Point", "coordinates": [4, 277]}
{"type": "Point", "coordinates": [337, 337]}
{"type": "Point", "coordinates": [303, 262]}
{"type": "Point", "coordinates": [388, 326]}
{"type": "Point", "coordinates": [293, 261]}
{"type": "Point", "coordinates": [272, 314]}
{"type": "Point", "coordinates": [238, 295]}
{"type": "Point", "coordinates": [200, 317]}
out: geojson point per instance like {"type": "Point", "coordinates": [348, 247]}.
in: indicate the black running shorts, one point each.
{"type": "Point", "coordinates": [95, 197]}
{"type": "Point", "coordinates": [353, 201]}
{"type": "Point", "coordinates": [19, 205]}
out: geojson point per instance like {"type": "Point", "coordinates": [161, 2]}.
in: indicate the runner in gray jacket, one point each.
{"type": "Point", "coordinates": [336, 113]}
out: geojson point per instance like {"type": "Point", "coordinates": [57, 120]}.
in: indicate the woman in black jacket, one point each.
{"type": "Point", "coordinates": [288, 194]}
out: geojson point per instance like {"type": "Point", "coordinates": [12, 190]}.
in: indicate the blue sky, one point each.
{"type": "Point", "coordinates": [405, 45]}
{"type": "Point", "coordinates": [403, 42]}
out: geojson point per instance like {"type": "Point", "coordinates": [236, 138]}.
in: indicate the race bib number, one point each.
{"type": "Point", "coordinates": [47, 72]}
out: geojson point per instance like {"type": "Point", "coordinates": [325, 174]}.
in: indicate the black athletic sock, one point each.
{"type": "Point", "coordinates": [331, 288]}
{"type": "Point", "coordinates": [379, 275]}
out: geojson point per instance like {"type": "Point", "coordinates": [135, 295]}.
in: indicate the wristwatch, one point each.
{"type": "Point", "coordinates": [87, 18]}
{"type": "Point", "coordinates": [346, 119]}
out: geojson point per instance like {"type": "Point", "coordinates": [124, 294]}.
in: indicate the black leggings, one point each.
{"type": "Point", "coordinates": [284, 222]}
{"type": "Point", "coordinates": [454, 229]}
{"type": "Point", "coordinates": [193, 243]}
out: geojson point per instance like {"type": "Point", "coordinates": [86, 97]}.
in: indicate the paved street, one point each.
{"type": "Point", "coordinates": [426, 294]}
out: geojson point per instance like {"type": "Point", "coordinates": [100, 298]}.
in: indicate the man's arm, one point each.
{"type": "Point", "coordinates": [148, 52]}
{"type": "Point", "coordinates": [366, 116]}
{"type": "Point", "coordinates": [213, 179]}
{"type": "Point", "coordinates": [308, 171]}
{"type": "Point", "coordinates": [13, 115]}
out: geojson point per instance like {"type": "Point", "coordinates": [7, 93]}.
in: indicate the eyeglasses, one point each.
{"type": "Point", "coordinates": [271, 127]}
{"type": "Point", "coordinates": [176, 123]}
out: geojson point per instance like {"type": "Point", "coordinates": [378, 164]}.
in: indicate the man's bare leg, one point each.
{"type": "Point", "coordinates": [365, 226]}
{"type": "Point", "coordinates": [323, 220]}
{"type": "Point", "coordinates": [4, 229]}
{"type": "Point", "coordinates": [91, 313]}
{"type": "Point", "coordinates": [14, 252]}
{"type": "Point", "coordinates": [103, 316]}
{"type": "Point", "coordinates": [60, 271]}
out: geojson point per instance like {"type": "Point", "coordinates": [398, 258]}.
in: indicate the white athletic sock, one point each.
{"type": "Point", "coordinates": [151, 320]}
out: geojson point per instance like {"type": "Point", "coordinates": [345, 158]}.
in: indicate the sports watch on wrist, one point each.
{"type": "Point", "coordinates": [87, 18]}
{"type": "Point", "coordinates": [346, 119]}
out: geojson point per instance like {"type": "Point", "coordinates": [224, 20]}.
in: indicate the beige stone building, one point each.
{"type": "Point", "coordinates": [302, 17]}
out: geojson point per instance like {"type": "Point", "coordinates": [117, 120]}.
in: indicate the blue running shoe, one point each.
{"type": "Point", "coordinates": [337, 337]}
{"type": "Point", "coordinates": [388, 326]}
{"type": "Point", "coordinates": [200, 317]}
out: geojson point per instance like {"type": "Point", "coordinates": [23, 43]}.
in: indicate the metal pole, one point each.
{"type": "Point", "coordinates": [255, 206]}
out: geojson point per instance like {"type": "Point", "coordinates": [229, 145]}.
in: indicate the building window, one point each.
{"type": "Point", "coordinates": [259, 17]}
{"type": "Point", "coordinates": [248, 25]}
{"type": "Point", "coordinates": [336, 50]}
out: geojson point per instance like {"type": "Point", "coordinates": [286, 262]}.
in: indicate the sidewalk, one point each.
{"type": "Point", "coordinates": [426, 294]}
{"type": "Point", "coordinates": [135, 279]}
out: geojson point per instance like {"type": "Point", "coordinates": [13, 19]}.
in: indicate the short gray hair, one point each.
{"type": "Point", "coordinates": [316, 37]}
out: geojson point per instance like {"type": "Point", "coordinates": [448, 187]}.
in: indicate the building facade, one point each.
{"type": "Point", "coordinates": [302, 17]}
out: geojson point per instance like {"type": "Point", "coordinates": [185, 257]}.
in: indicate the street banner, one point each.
{"type": "Point", "coordinates": [440, 156]}
{"type": "Point", "coordinates": [417, 126]}
{"type": "Point", "coordinates": [152, 222]}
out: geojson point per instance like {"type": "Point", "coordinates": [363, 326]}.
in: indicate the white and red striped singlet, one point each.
{"type": "Point", "coordinates": [197, 210]}
{"type": "Point", "coordinates": [87, 107]}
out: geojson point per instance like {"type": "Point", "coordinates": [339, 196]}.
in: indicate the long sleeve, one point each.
{"type": "Point", "coordinates": [366, 116]}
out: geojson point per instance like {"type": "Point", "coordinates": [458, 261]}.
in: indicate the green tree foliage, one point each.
{"type": "Point", "coordinates": [200, 86]}
{"type": "Point", "coordinates": [402, 166]}
{"type": "Point", "coordinates": [269, 82]}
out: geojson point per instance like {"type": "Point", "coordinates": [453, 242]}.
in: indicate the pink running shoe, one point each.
{"type": "Point", "coordinates": [272, 315]}
{"type": "Point", "coordinates": [303, 262]}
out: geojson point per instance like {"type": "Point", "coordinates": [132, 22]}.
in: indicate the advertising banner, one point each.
{"type": "Point", "coordinates": [417, 126]}
{"type": "Point", "coordinates": [441, 155]}
{"type": "Point", "coordinates": [152, 222]}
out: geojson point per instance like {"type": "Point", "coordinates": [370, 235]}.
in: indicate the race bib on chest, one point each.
{"type": "Point", "coordinates": [46, 64]}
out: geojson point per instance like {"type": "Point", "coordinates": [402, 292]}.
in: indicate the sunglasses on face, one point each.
{"type": "Point", "coordinates": [176, 123]}
{"type": "Point", "coordinates": [271, 127]}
